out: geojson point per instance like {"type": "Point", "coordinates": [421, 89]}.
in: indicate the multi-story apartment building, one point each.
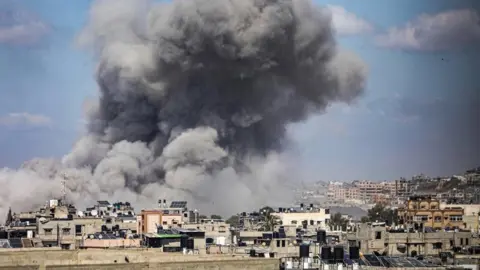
{"type": "Point", "coordinates": [342, 192]}
{"type": "Point", "coordinates": [427, 211]}
{"type": "Point", "coordinates": [303, 216]}
{"type": "Point", "coordinates": [369, 190]}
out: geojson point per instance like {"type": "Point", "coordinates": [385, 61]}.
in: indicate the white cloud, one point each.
{"type": "Point", "coordinates": [448, 30]}
{"type": "Point", "coordinates": [21, 27]}
{"type": "Point", "coordinates": [347, 23]}
{"type": "Point", "coordinates": [24, 120]}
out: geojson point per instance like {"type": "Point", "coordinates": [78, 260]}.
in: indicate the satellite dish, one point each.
{"type": "Point", "coordinates": [100, 236]}
{"type": "Point", "coordinates": [80, 214]}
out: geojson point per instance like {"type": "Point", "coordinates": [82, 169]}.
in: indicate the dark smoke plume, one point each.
{"type": "Point", "coordinates": [196, 97]}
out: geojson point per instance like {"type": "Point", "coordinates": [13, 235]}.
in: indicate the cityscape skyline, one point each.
{"type": "Point", "coordinates": [417, 114]}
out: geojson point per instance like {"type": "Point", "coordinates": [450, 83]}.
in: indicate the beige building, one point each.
{"type": "Point", "coordinates": [315, 217]}
{"type": "Point", "coordinates": [69, 232]}
{"type": "Point", "coordinates": [168, 216]}
{"type": "Point", "coordinates": [427, 210]}
{"type": "Point", "coordinates": [342, 192]}
{"type": "Point", "coordinates": [216, 230]}
{"type": "Point", "coordinates": [377, 239]}
{"type": "Point", "coordinates": [148, 221]}
{"type": "Point", "coordinates": [370, 191]}
{"type": "Point", "coordinates": [471, 214]}
{"type": "Point", "coordinates": [363, 191]}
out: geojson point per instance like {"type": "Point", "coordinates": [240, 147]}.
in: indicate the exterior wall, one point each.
{"type": "Point", "coordinates": [318, 218]}
{"type": "Point", "coordinates": [342, 192]}
{"type": "Point", "coordinates": [76, 229]}
{"type": "Point", "coordinates": [138, 259]}
{"type": "Point", "coordinates": [379, 240]}
{"type": "Point", "coordinates": [249, 237]}
{"type": "Point", "coordinates": [429, 212]}
{"type": "Point", "coordinates": [110, 243]}
{"type": "Point", "coordinates": [171, 219]}
{"type": "Point", "coordinates": [471, 214]}
{"type": "Point", "coordinates": [148, 221]}
{"type": "Point", "coordinates": [57, 231]}
{"type": "Point", "coordinates": [218, 231]}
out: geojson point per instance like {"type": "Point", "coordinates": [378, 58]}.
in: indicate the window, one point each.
{"type": "Point", "coordinates": [109, 221]}
{"type": "Point", "coordinates": [65, 231]}
{"type": "Point", "coordinates": [420, 218]}
{"type": "Point", "coordinates": [294, 222]}
{"type": "Point", "coordinates": [78, 230]}
{"type": "Point", "coordinates": [327, 211]}
{"type": "Point", "coordinates": [466, 241]}
{"type": "Point", "coordinates": [47, 231]}
{"type": "Point", "coordinates": [437, 245]}
{"type": "Point", "coordinates": [378, 235]}
{"type": "Point", "coordinates": [456, 218]}
{"type": "Point", "coordinates": [438, 219]}
{"type": "Point", "coordinates": [312, 222]}
{"type": "Point", "coordinates": [222, 229]}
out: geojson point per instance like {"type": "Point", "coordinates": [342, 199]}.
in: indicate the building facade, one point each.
{"type": "Point", "coordinates": [427, 211]}
{"type": "Point", "coordinates": [303, 217]}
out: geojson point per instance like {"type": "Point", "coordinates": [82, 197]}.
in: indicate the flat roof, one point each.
{"type": "Point", "coordinates": [164, 236]}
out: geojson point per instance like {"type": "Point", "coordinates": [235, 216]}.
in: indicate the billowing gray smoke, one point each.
{"type": "Point", "coordinates": [195, 99]}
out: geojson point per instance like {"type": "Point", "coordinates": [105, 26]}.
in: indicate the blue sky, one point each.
{"type": "Point", "coordinates": [420, 112]}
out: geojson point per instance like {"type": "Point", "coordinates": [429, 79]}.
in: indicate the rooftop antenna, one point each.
{"type": "Point", "coordinates": [64, 189]}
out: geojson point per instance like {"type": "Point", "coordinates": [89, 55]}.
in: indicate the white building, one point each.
{"type": "Point", "coordinates": [304, 217]}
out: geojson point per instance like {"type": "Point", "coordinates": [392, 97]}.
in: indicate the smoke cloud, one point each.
{"type": "Point", "coordinates": [195, 97]}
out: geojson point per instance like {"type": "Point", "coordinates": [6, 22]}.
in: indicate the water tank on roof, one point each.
{"type": "Point", "coordinates": [354, 253]}
{"type": "Point", "coordinates": [322, 236]}
{"type": "Point", "coordinates": [326, 253]}
{"type": "Point", "coordinates": [53, 203]}
{"type": "Point", "coordinates": [221, 240]}
{"type": "Point", "coordinates": [338, 253]}
{"type": "Point", "coordinates": [304, 251]}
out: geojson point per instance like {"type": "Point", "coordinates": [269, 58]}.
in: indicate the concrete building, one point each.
{"type": "Point", "coordinates": [149, 220]}
{"type": "Point", "coordinates": [304, 216]}
{"type": "Point", "coordinates": [471, 214]}
{"type": "Point", "coordinates": [374, 191]}
{"type": "Point", "coordinates": [427, 210]}
{"type": "Point", "coordinates": [342, 192]}
{"type": "Point", "coordinates": [400, 243]}
{"type": "Point", "coordinates": [167, 216]}
{"type": "Point", "coordinates": [69, 232]}
{"type": "Point", "coordinates": [217, 232]}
